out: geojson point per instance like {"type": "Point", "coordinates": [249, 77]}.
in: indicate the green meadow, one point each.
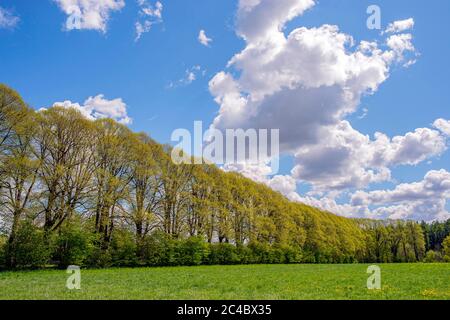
{"type": "Point", "coordinates": [254, 282]}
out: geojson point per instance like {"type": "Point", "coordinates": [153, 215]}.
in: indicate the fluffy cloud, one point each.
{"type": "Point", "coordinates": [89, 14]}
{"type": "Point", "coordinates": [203, 38]}
{"type": "Point", "coordinates": [329, 204]}
{"type": "Point", "coordinates": [7, 19]}
{"type": "Point", "coordinates": [285, 185]}
{"type": "Point", "coordinates": [258, 18]}
{"type": "Point", "coordinates": [400, 44]}
{"type": "Point", "coordinates": [255, 171]}
{"type": "Point", "coordinates": [348, 159]}
{"type": "Point", "coordinates": [423, 200]}
{"type": "Point", "coordinates": [306, 83]}
{"type": "Point", "coordinates": [419, 200]}
{"type": "Point", "coordinates": [400, 26]}
{"type": "Point", "coordinates": [98, 107]}
{"type": "Point", "coordinates": [149, 16]}
{"type": "Point", "coordinates": [443, 125]}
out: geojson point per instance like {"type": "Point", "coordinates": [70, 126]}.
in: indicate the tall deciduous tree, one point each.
{"type": "Point", "coordinates": [64, 147]}
{"type": "Point", "coordinates": [112, 158]}
{"type": "Point", "coordinates": [18, 166]}
{"type": "Point", "coordinates": [143, 201]}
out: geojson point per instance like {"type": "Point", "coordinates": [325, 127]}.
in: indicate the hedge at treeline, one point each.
{"type": "Point", "coordinates": [93, 193]}
{"type": "Point", "coordinates": [76, 247]}
{"type": "Point", "coordinates": [73, 245]}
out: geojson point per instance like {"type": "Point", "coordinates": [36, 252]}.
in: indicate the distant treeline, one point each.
{"type": "Point", "coordinates": [93, 193]}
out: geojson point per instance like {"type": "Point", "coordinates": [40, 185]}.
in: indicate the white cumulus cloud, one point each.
{"type": "Point", "coordinates": [400, 45]}
{"type": "Point", "coordinates": [258, 18]}
{"type": "Point", "coordinates": [89, 14]}
{"type": "Point", "coordinates": [98, 107]}
{"type": "Point", "coordinates": [443, 125]}
{"type": "Point", "coordinates": [347, 159]}
{"type": "Point", "coordinates": [425, 199]}
{"type": "Point", "coordinates": [400, 26]}
{"type": "Point", "coordinates": [306, 82]}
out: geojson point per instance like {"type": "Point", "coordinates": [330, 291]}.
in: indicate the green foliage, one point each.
{"type": "Point", "coordinates": [191, 252]}
{"type": "Point", "coordinates": [435, 233]}
{"type": "Point", "coordinates": [30, 248]}
{"type": "Point", "coordinates": [245, 255]}
{"type": "Point", "coordinates": [13, 113]}
{"type": "Point", "coordinates": [223, 254]}
{"type": "Point", "coordinates": [393, 241]}
{"type": "Point", "coordinates": [292, 254]}
{"type": "Point", "coordinates": [162, 250]}
{"type": "Point", "coordinates": [159, 250]}
{"type": "Point", "coordinates": [432, 257]}
{"type": "Point", "coordinates": [99, 257]}
{"type": "Point", "coordinates": [446, 249]}
{"type": "Point", "coordinates": [265, 254]}
{"type": "Point", "coordinates": [73, 244]}
{"type": "Point", "coordinates": [123, 249]}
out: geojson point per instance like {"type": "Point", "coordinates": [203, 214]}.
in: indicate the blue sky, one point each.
{"type": "Point", "coordinates": [47, 63]}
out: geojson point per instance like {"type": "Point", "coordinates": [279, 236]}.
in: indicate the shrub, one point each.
{"type": "Point", "coordinates": [309, 257]}
{"type": "Point", "coordinates": [123, 249]}
{"type": "Point", "coordinates": [73, 244]}
{"type": "Point", "coordinates": [159, 250]}
{"type": "Point", "coordinates": [432, 256]}
{"type": "Point", "coordinates": [191, 252]}
{"type": "Point", "coordinates": [292, 255]}
{"type": "Point", "coordinates": [446, 249]}
{"type": "Point", "coordinates": [30, 248]}
{"type": "Point", "coordinates": [223, 254]}
{"type": "Point", "coordinates": [245, 255]}
{"type": "Point", "coordinates": [276, 255]}
{"type": "Point", "coordinates": [264, 253]}
{"type": "Point", "coordinates": [99, 258]}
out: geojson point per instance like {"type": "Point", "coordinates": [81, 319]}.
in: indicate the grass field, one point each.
{"type": "Point", "coordinates": [286, 282]}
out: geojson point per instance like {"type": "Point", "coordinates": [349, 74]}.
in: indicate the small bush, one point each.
{"type": "Point", "coordinates": [30, 248]}
{"type": "Point", "coordinates": [292, 255]}
{"type": "Point", "coordinates": [432, 256]}
{"type": "Point", "coordinates": [245, 255]}
{"type": "Point", "coordinates": [73, 244]}
{"type": "Point", "coordinates": [159, 250]}
{"type": "Point", "coordinates": [309, 257]}
{"type": "Point", "coordinates": [123, 249]}
{"type": "Point", "coordinates": [276, 256]}
{"type": "Point", "coordinates": [446, 249]}
{"type": "Point", "coordinates": [99, 258]}
{"type": "Point", "coordinates": [191, 252]}
{"type": "Point", "coordinates": [263, 253]}
{"type": "Point", "coordinates": [223, 254]}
